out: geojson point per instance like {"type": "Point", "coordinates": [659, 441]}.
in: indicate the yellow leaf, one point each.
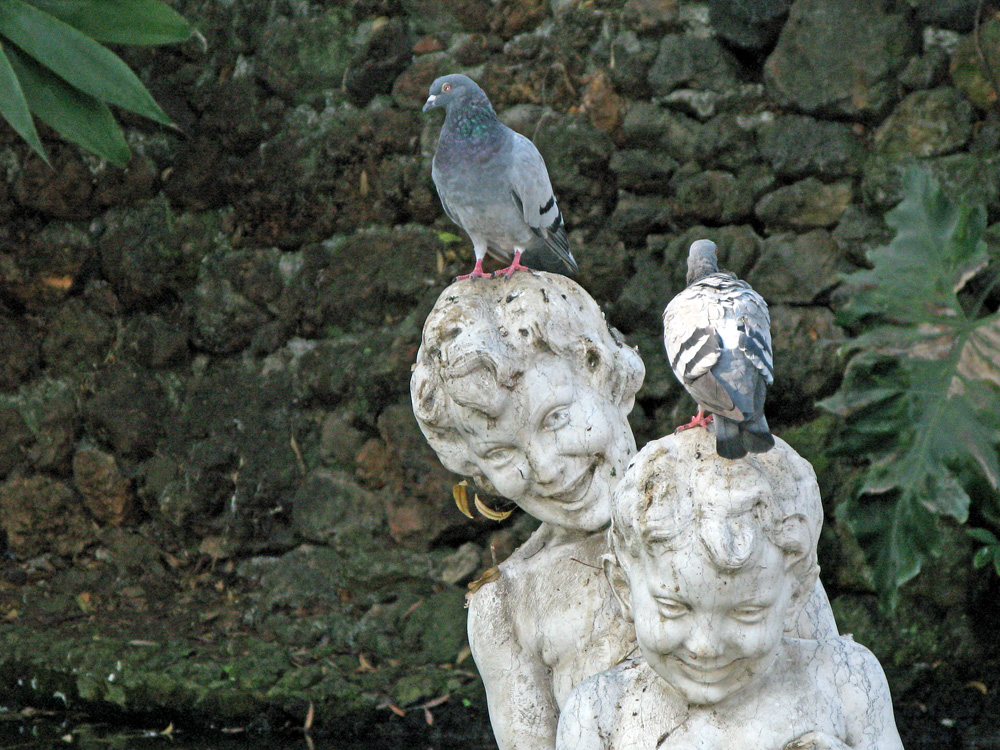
{"type": "Point", "coordinates": [462, 498]}
{"type": "Point", "coordinates": [363, 664]}
{"type": "Point", "coordinates": [490, 575]}
{"type": "Point", "coordinates": [62, 283]}
{"type": "Point", "coordinates": [493, 515]}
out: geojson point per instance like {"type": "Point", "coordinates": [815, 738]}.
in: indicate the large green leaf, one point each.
{"type": "Point", "coordinates": [915, 279]}
{"type": "Point", "coordinates": [76, 116]}
{"type": "Point", "coordinates": [896, 537]}
{"type": "Point", "coordinates": [14, 107]}
{"type": "Point", "coordinates": [920, 394]}
{"type": "Point", "coordinates": [120, 21]}
{"type": "Point", "coordinates": [74, 57]}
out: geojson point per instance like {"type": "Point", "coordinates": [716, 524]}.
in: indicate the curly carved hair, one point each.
{"type": "Point", "coordinates": [480, 337]}
{"type": "Point", "coordinates": [662, 501]}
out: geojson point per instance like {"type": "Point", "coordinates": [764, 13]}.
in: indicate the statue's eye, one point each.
{"type": "Point", "coordinates": [446, 88]}
{"type": "Point", "coordinates": [500, 456]}
{"type": "Point", "coordinates": [556, 418]}
{"type": "Point", "coordinates": [671, 608]}
{"type": "Point", "coordinates": [749, 613]}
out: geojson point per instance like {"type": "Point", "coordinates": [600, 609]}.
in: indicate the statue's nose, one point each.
{"type": "Point", "coordinates": [544, 462]}
{"type": "Point", "coordinates": [703, 641]}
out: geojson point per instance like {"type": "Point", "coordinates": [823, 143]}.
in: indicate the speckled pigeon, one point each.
{"type": "Point", "coordinates": [718, 337]}
{"type": "Point", "coordinates": [493, 183]}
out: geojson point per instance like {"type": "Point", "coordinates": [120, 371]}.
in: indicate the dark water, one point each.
{"type": "Point", "coordinates": [942, 709]}
{"type": "Point", "coordinates": [37, 731]}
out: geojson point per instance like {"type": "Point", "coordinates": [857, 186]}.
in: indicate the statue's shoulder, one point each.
{"type": "Point", "coordinates": [629, 678]}
{"type": "Point", "coordinates": [499, 595]}
{"type": "Point", "coordinates": [856, 665]}
{"type": "Point", "coordinates": [839, 664]}
{"type": "Point", "coordinates": [627, 705]}
{"type": "Point", "coordinates": [859, 683]}
{"type": "Point", "coordinates": [528, 563]}
{"type": "Point", "coordinates": [837, 651]}
{"type": "Point", "coordinates": [563, 575]}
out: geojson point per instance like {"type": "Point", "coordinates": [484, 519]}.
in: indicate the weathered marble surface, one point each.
{"type": "Point", "coordinates": [713, 561]}
{"type": "Point", "coordinates": [522, 386]}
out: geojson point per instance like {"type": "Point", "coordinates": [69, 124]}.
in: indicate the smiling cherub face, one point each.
{"type": "Point", "coordinates": [522, 386]}
{"type": "Point", "coordinates": [710, 633]}
{"type": "Point", "coordinates": [556, 446]}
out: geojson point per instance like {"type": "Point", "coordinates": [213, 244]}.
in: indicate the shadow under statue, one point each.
{"type": "Point", "coordinates": [521, 385]}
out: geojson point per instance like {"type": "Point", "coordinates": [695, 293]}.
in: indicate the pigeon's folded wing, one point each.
{"type": "Point", "coordinates": [689, 336]}
{"type": "Point", "coordinates": [755, 341]}
{"type": "Point", "coordinates": [531, 191]}
{"type": "Point", "coordinates": [712, 395]}
{"type": "Point", "coordinates": [693, 349]}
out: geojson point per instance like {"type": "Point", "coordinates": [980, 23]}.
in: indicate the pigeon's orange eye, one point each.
{"type": "Point", "coordinates": [446, 88]}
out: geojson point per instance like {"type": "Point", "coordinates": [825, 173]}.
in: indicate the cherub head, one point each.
{"type": "Point", "coordinates": [713, 560]}
{"type": "Point", "coordinates": [522, 386]}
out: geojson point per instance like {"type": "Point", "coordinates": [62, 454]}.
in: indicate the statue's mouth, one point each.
{"type": "Point", "coordinates": [707, 674]}
{"type": "Point", "coordinates": [575, 495]}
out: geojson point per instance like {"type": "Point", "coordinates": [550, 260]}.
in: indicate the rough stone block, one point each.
{"type": "Point", "coordinates": [839, 57]}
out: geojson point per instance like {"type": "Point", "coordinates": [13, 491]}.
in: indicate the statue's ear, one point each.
{"type": "Point", "coordinates": [456, 456]}
{"type": "Point", "coordinates": [802, 566]}
{"type": "Point", "coordinates": [619, 584]}
{"type": "Point", "coordinates": [453, 451]}
{"type": "Point", "coordinates": [807, 575]}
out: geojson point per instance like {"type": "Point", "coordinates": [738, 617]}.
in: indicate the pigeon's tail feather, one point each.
{"type": "Point", "coordinates": [757, 438]}
{"type": "Point", "coordinates": [565, 260]}
{"type": "Point", "coordinates": [558, 243]}
{"type": "Point", "coordinates": [728, 441]}
{"type": "Point", "coordinates": [551, 254]}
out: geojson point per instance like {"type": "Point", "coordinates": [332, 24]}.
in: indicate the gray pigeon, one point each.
{"type": "Point", "coordinates": [718, 337]}
{"type": "Point", "coordinates": [493, 183]}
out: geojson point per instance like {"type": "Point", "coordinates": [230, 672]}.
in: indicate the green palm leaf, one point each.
{"type": "Point", "coordinates": [76, 58]}
{"type": "Point", "coordinates": [53, 66]}
{"type": "Point", "coordinates": [14, 107]}
{"type": "Point", "coordinates": [120, 21]}
{"type": "Point", "coordinates": [919, 395]}
{"type": "Point", "coordinates": [76, 116]}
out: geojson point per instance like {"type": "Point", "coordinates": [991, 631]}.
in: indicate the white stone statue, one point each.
{"type": "Point", "coordinates": [713, 561]}
{"type": "Point", "coordinates": [522, 386]}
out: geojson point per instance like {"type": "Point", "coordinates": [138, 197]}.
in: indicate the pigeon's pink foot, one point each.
{"type": "Point", "coordinates": [701, 419]}
{"type": "Point", "coordinates": [514, 266]}
{"type": "Point", "coordinates": [477, 272]}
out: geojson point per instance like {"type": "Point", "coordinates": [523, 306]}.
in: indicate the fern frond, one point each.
{"type": "Point", "coordinates": [920, 393]}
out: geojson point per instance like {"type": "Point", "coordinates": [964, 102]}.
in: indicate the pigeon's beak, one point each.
{"type": "Point", "coordinates": [431, 102]}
